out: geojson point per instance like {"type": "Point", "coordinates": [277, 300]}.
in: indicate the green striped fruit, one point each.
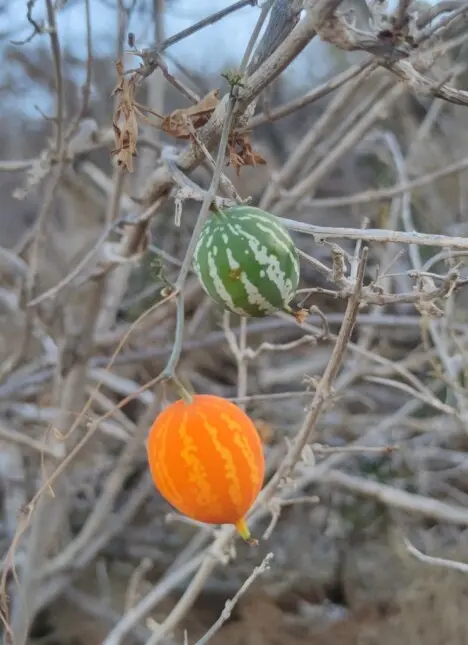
{"type": "Point", "coordinates": [247, 262]}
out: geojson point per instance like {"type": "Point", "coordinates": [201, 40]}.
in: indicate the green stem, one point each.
{"type": "Point", "coordinates": [179, 333]}
{"type": "Point", "coordinates": [182, 390]}
{"type": "Point", "coordinates": [209, 195]}
{"type": "Point", "coordinates": [214, 208]}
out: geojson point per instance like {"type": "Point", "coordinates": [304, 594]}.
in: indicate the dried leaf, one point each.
{"type": "Point", "coordinates": [301, 315]}
{"type": "Point", "coordinates": [179, 123]}
{"type": "Point", "coordinates": [241, 153]}
{"type": "Point", "coordinates": [428, 308]}
{"type": "Point", "coordinates": [125, 121]}
{"type": "Point", "coordinates": [266, 431]}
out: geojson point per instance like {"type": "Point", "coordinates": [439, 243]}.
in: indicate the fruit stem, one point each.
{"type": "Point", "coordinates": [244, 531]}
{"type": "Point", "coordinates": [214, 207]}
{"type": "Point", "coordinates": [215, 210]}
{"type": "Point", "coordinates": [182, 391]}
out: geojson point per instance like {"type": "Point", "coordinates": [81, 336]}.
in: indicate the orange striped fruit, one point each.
{"type": "Point", "coordinates": [206, 459]}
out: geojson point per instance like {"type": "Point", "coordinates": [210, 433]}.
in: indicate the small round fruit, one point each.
{"type": "Point", "coordinates": [206, 459]}
{"type": "Point", "coordinates": [247, 262]}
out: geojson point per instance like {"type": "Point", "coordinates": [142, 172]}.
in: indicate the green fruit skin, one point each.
{"type": "Point", "coordinates": [247, 262]}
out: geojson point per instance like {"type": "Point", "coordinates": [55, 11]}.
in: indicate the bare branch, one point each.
{"type": "Point", "coordinates": [433, 561]}
{"type": "Point", "coordinates": [230, 604]}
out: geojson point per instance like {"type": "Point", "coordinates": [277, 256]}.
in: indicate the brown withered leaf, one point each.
{"type": "Point", "coordinates": [241, 153]}
{"type": "Point", "coordinates": [179, 123]}
{"type": "Point", "coordinates": [266, 431]}
{"type": "Point", "coordinates": [301, 315]}
{"type": "Point", "coordinates": [125, 122]}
